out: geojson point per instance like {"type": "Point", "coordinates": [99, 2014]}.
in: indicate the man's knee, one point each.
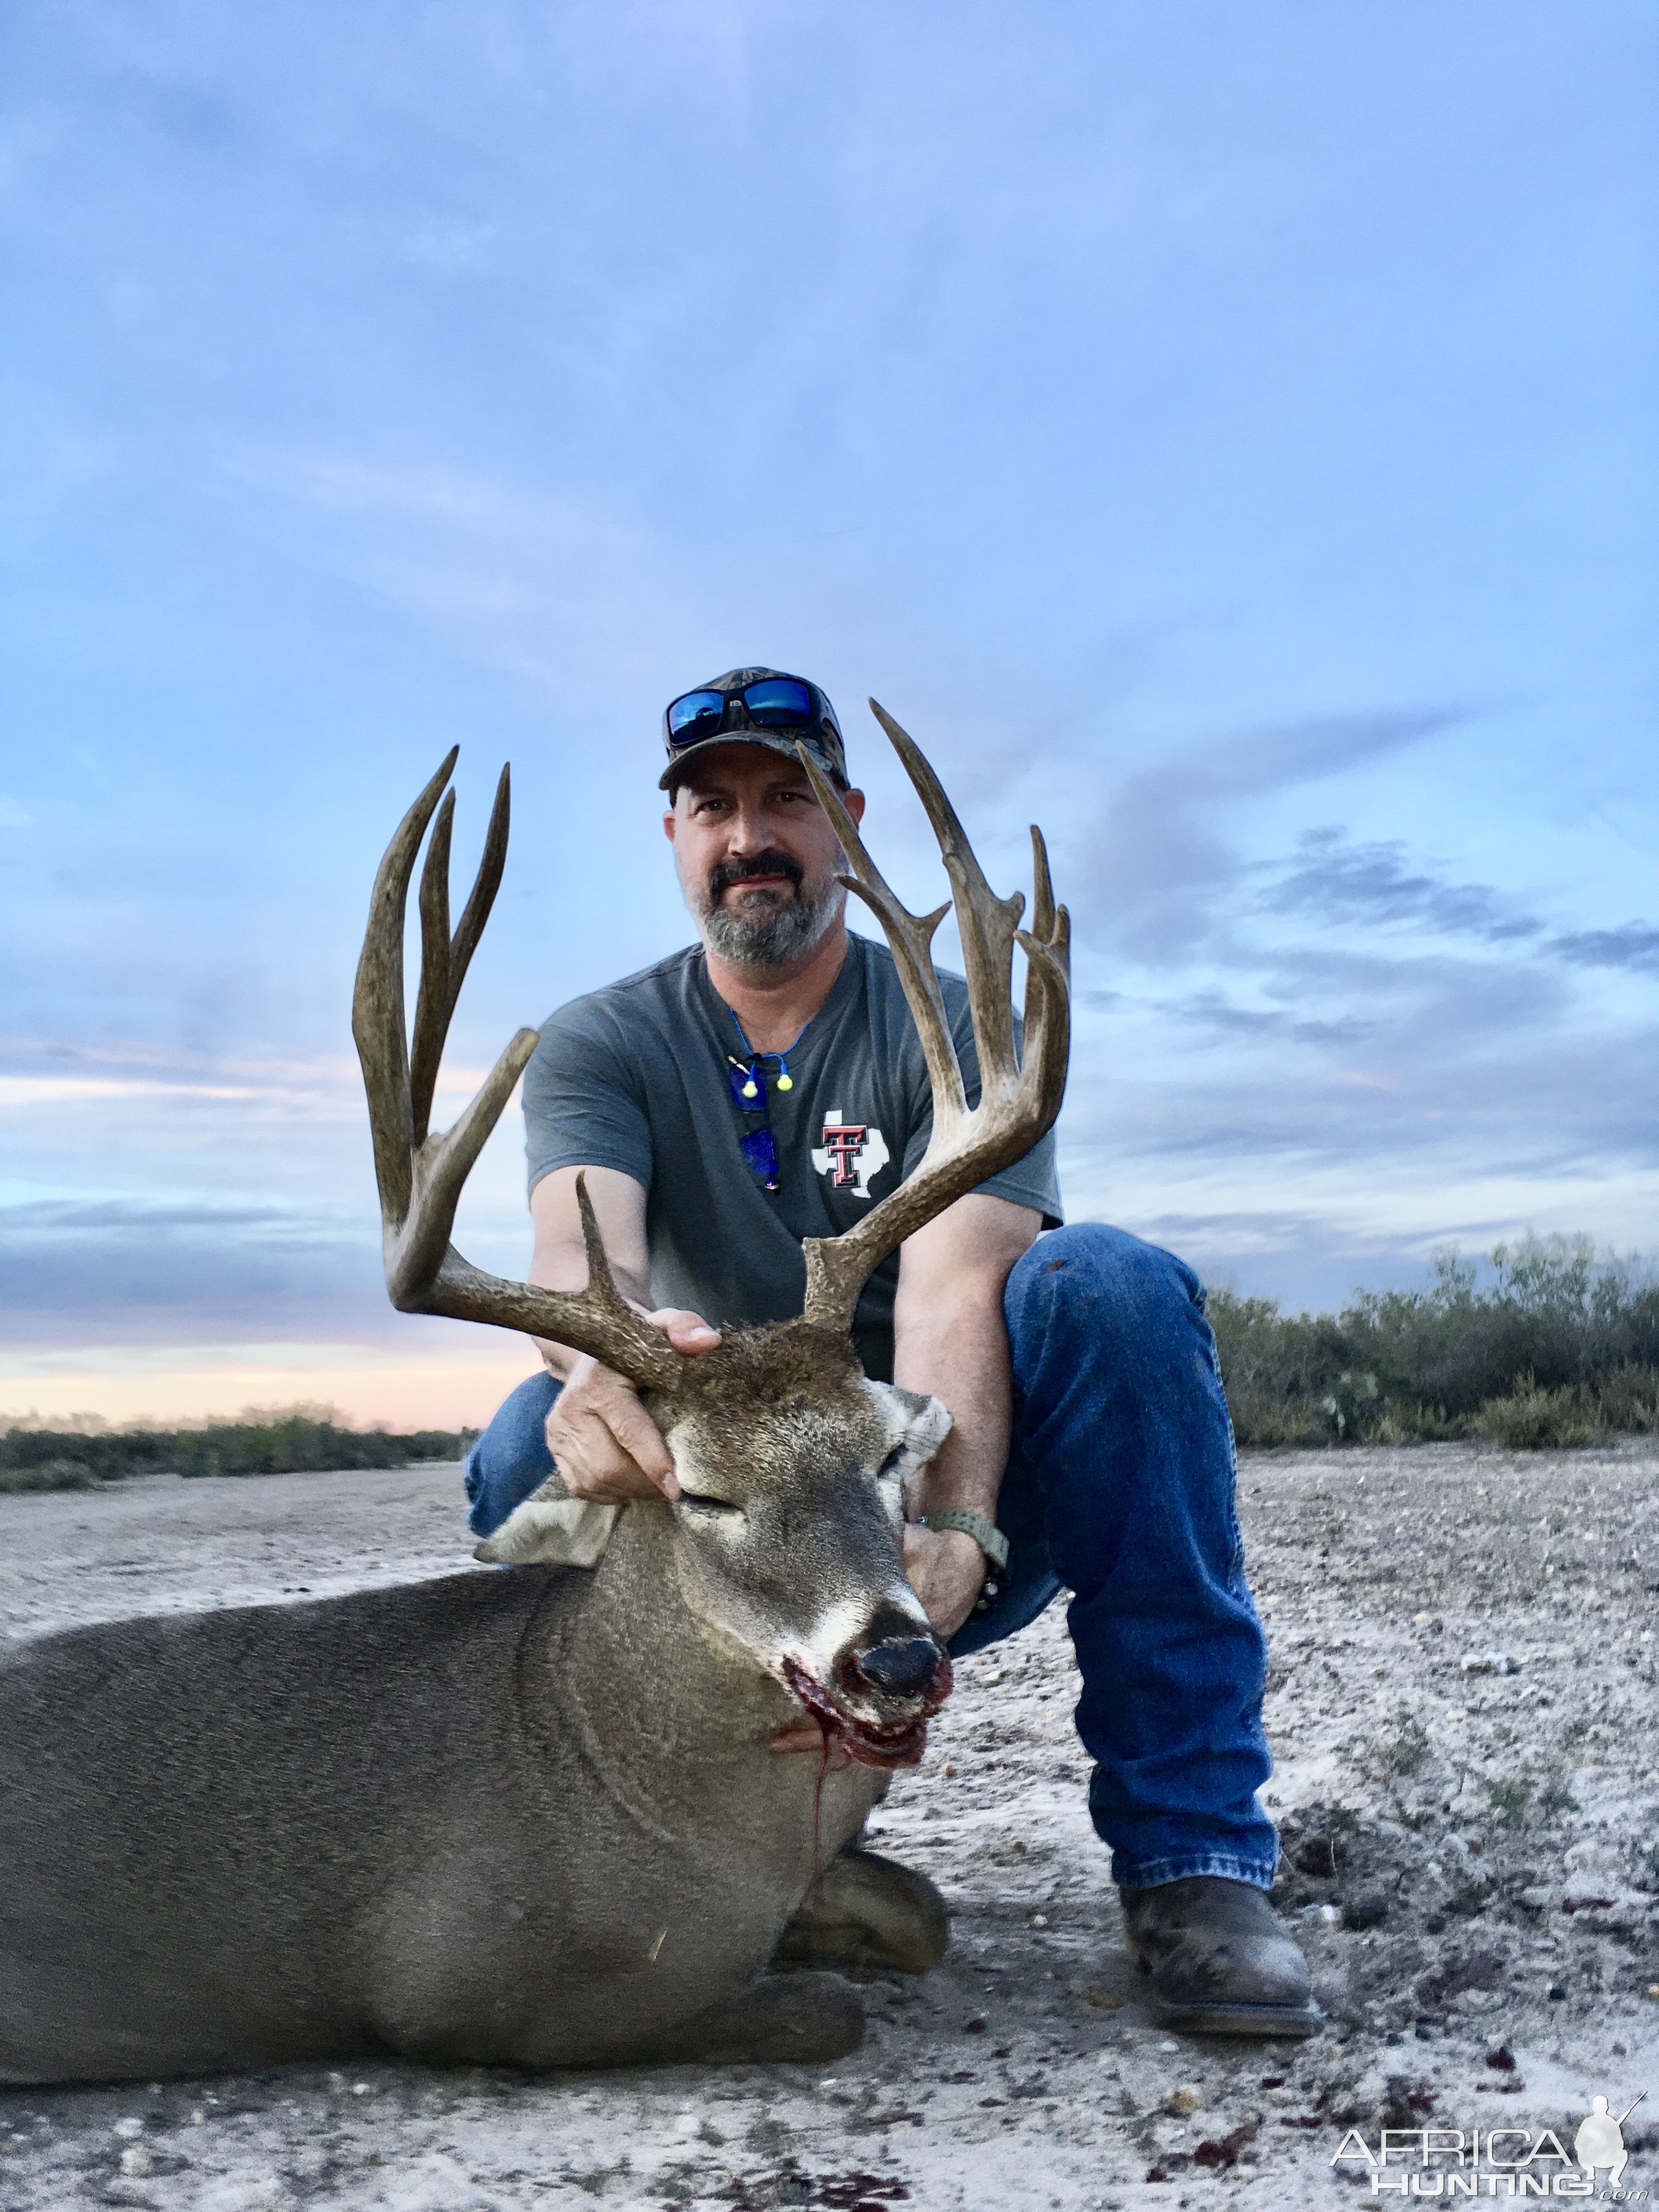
{"type": "Point", "coordinates": [1105, 1282]}
{"type": "Point", "coordinates": [511, 1458]}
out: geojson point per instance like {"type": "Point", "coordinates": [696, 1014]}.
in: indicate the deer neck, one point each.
{"type": "Point", "coordinates": [660, 1702]}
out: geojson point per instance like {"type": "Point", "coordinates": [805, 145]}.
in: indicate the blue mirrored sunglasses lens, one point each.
{"type": "Point", "coordinates": [761, 1155]}
{"type": "Point", "coordinates": [778, 702]}
{"type": "Point", "coordinates": [697, 715]}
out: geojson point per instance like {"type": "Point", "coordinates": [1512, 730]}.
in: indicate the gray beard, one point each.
{"type": "Point", "coordinates": [757, 932]}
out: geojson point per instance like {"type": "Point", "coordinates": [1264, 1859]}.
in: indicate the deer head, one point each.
{"type": "Point", "coordinates": [787, 1539]}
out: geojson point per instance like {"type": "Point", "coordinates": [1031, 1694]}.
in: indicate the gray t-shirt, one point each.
{"type": "Point", "coordinates": [636, 1077]}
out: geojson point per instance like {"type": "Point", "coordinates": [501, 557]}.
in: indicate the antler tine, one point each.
{"type": "Point", "coordinates": [432, 1001]}
{"type": "Point", "coordinates": [420, 1176]}
{"type": "Point", "coordinates": [986, 923]}
{"type": "Point", "coordinates": [1019, 1097]}
{"type": "Point", "coordinates": [474, 914]}
{"type": "Point", "coordinates": [444, 959]}
{"type": "Point", "coordinates": [1047, 947]}
{"type": "Point", "coordinates": [1043, 889]}
{"type": "Point", "coordinates": [910, 935]}
{"type": "Point", "coordinates": [377, 1004]}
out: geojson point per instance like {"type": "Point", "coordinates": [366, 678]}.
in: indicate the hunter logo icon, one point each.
{"type": "Point", "coordinates": [1601, 2139]}
{"type": "Point", "coordinates": [851, 1152]}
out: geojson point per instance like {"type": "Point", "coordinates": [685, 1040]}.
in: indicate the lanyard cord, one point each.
{"type": "Point", "coordinates": [758, 1146]}
{"type": "Point", "coordinates": [752, 1058]}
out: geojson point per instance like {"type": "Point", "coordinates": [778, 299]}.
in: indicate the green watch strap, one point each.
{"type": "Point", "coordinates": [989, 1538]}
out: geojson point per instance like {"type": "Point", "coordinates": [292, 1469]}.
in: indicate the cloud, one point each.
{"type": "Point", "coordinates": [1213, 1010]}
{"type": "Point", "coordinates": [1154, 867]}
{"type": "Point", "coordinates": [1635, 945]}
{"type": "Point", "coordinates": [1332, 880]}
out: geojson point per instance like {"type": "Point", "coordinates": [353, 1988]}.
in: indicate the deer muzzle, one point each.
{"type": "Point", "coordinates": [882, 1692]}
{"type": "Point", "coordinates": [897, 1666]}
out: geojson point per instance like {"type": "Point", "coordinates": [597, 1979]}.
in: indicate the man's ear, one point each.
{"type": "Point", "coordinates": [916, 1426]}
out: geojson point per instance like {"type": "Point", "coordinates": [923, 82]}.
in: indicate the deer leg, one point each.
{"type": "Point", "coordinates": [807, 2020]}
{"type": "Point", "coordinates": [869, 1915]}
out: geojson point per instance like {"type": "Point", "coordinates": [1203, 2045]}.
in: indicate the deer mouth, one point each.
{"type": "Point", "coordinates": [872, 1740]}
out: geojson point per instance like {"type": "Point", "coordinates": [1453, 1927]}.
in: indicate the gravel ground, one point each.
{"type": "Point", "coordinates": [1461, 1705]}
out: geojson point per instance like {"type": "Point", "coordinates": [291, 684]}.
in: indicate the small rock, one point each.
{"type": "Point", "coordinates": [1592, 1857]}
{"type": "Point", "coordinates": [136, 2159]}
{"type": "Point", "coordinates": [1105, 2000]}
{"type": "Point", "coordinates": [1502, 2058]}
{"type": "Point", "coordinates": [1168, 2046]}
{"type": "Point", "coordinates": [133, 2125]}
{"type": "Point", "coordinates": [1490, 1662]}
{"type": "Point", "coordinates": [1367, 1908]}
{"type": "Point", "coordinates": [1330, 1916]}
{"type": "Point", "coordinates": [1179, 2102]}
{"type": "Point", "coordinates": [1039, 1920]}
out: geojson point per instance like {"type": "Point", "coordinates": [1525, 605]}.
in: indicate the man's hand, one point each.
{"type": "Point", "coordinates": [604, 1444]}
{"type": "Point", "coordinates": [946, 1570]}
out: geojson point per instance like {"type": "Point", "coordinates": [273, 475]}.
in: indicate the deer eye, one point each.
{"type": "Point", "coordinates": [712, 1509]}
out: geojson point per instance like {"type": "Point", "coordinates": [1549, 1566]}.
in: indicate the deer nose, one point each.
{"type": "Point", "coordinates": [901, 1666]}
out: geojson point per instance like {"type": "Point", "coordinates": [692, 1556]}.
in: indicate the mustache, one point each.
{"type": "Point", "coordinates": [724, 873]}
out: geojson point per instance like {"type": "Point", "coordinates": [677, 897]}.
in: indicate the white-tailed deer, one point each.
{"type": "Point", "coordinates": [526, 1818]}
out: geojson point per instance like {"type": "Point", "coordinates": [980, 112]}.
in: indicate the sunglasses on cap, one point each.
{"type": "Point", "coordinates": [771, 709]}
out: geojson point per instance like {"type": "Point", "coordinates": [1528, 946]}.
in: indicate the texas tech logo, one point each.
{"type": "Point", "coordinates": [851, 1152]}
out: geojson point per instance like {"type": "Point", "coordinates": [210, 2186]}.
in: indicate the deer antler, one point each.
{"type": "Point", "coordinates": [420, 1174]}
{"type": "Point", "coordinates": [1019, 1095]}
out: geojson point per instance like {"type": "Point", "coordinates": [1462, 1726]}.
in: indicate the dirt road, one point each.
{"type": "Point", "coordinates": [1462, 1707]}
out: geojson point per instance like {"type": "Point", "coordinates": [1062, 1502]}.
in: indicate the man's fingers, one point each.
{"type": "Point", "coordinates": [806, 1735]}
{"type": "Point", "coordinates": [800, 1736]}
{"type": "Point", "coordinates": [641, 1440]}
{"type": "Point", "coordinates": [592, 1464]}
{"type": "Point", "coordinates": [686, 1332]}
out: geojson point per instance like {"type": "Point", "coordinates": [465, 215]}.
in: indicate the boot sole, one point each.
{"type": "Point", "coordinates": [1298, 2020]}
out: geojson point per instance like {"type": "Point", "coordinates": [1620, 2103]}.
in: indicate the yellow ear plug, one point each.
{"type": "Point", "coordinates": [786, 1083]}
{"type": "Point", "coordinates": [750, 1091]}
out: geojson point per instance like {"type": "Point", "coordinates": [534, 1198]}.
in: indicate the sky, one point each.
{"type": "Point", "coordinates": [1223, 433]}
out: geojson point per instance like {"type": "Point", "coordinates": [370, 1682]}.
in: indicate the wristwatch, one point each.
{"type": "Point", "coordinates": [990, 1540]}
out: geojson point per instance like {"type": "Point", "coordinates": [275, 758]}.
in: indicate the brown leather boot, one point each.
{"type": "Point", "coordinates": [870, 1914]}
{"type": "Point", "coordinates": [1212, 1957]}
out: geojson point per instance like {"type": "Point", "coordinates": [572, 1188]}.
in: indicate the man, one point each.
{"type": "Point", "coordinates": [767, 1085]}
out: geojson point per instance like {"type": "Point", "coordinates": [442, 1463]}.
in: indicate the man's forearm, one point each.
{"type": "Point", "coordinates": [959, 1352]}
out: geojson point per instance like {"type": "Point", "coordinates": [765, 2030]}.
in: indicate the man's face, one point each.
{"type": "Point", "coordinates": [757, 855]}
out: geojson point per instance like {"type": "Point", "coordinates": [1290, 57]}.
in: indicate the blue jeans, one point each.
{"type": "Point", "coordinates": [1119, 1488]}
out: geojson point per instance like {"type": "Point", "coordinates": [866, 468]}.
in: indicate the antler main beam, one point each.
{"type": "Point", "coordinates": [1020, 1093]}
{"type": "Point", "coordinates": [420, 1174]}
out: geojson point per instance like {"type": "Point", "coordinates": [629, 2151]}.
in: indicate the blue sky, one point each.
{"type": "Point", "coordinates": [1223, 433]}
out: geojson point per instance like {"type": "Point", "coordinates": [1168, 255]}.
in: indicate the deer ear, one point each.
{"type": "Point", "coordinates": [916, 1426]}
{"type": "Point", "coordinates": [550, 1532]}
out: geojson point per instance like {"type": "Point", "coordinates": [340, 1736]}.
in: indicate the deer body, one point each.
{"type": "Point", "coordinates": [525, 1818]}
